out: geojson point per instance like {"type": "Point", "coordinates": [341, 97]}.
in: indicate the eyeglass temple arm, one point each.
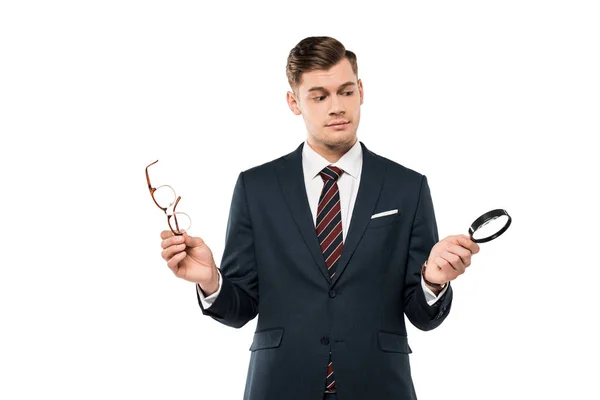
{"type": "Point", "coordinates": [152, 190]}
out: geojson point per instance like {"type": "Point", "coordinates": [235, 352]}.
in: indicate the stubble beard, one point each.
{"type": "Point", "coordinates": [334, 142]}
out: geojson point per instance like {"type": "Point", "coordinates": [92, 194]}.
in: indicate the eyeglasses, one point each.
{"type": "Point", "coordinates": [164, 197]}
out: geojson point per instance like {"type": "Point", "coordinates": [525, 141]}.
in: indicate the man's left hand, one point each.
{"type": "Point", "coordinates": [449, 258]}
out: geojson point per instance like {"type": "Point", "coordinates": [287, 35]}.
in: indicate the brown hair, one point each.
{"type": "Point", "coordinates": [313, 53]}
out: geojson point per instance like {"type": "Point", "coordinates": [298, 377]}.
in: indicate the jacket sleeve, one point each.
{"type": "Point", "coordinates": [237, 302]}
{"type": "Point", "coordinates": [424, 236]}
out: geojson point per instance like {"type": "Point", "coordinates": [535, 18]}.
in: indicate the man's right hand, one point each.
{"type": "Point", "coordinates": [190, 258]}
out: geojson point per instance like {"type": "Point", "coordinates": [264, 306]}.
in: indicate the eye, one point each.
{"type": "Point", "coordinates": [319, 98]}
{"type": "Point", "coordinates": [348, 93]}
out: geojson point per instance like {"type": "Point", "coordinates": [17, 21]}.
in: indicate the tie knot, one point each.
{"type": "Point", "coordinates": [330, 172]}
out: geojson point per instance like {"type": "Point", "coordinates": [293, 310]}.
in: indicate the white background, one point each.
{"type": "Point", "coordinates": [497, 103]}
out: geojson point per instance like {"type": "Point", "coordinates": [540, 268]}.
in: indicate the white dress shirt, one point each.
{"type": "Point", "coordinates": [348, 183]}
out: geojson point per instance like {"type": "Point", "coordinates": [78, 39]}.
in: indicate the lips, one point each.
{"type": "Point", "coordinates": [338, 122]}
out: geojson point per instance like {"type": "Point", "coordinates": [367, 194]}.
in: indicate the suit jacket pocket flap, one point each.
{"type": "Point", "coordinates": [393, 343]}
{"type": "Point", "coordinates": [266, 339]}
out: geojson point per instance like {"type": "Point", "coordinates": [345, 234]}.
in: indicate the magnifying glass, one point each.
{"type": "Point", "coordinates": [489, 226]}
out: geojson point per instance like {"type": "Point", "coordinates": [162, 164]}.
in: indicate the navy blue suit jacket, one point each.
{"type": "Point", "coordinates": [273, 267]}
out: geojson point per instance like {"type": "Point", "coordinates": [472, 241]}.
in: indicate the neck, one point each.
{"type": "Point", "coordinates": [331, 153]}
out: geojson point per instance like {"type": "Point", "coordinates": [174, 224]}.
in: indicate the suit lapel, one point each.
{"type": "Point", "coordinates": [291, 179]}
{"type": "Point", "coordinates": [371, 181]}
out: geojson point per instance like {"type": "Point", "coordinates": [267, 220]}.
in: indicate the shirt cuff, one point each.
{"type": "Point", "coordinates": [429, 295]}
{"type": "Point", "coordinates": [208, 301]}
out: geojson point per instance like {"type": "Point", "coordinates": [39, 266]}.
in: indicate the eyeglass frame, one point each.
{"type": "Point", "coordinates": [174, 214]}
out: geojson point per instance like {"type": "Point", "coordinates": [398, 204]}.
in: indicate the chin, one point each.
{"type": "Point", "coordinates": [334, 139]}
{"type": "Point", "coordinates": [338, 144]}
{"type": "Point", "coordinates": [340, 138]}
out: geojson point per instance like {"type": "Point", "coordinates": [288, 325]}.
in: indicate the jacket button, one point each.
{"type": "Point", "coordinates": [324, 340]}
{"type": "Point", "coordinates": [332, 293]}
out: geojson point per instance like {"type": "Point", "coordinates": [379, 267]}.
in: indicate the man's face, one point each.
{"type": "Point", "coordinates": [329, 101]}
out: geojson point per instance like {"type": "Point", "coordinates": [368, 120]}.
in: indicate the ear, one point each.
{"type": "Point", "coordinates": [293, 103]}
{"type": "Point", "coordinates": [361, 91]}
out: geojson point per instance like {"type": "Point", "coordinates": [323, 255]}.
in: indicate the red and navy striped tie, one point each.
{"type": "Point", "coordinates": [329, 233]}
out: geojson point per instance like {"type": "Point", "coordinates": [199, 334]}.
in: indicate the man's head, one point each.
{"type": "Point", "coordinates": [326, 91]}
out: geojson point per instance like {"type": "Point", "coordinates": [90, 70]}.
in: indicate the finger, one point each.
{"type": "Point", "coordinates": [171, 241]}
{"type": "Point", "coordinates": [455, 261]}
{"type": "Point", "coordinates": [191, 241]}
{"type": "Point", "coordinates": [445, 269]}
{"type": "Point", "coordinates": [460, 251]}
{"type": "Point", "coordinates": [170, 251]}
{"type": "Point", "coordinates": [442, 265]}
{"type": "Point", "coordinates": [166, 234]}
{"type": "Point", "coordinates": [467, 243]}
{"type": "Point", "coordinates": [175, 260]}
{"type": "Point", "coordinates": [454, 239]}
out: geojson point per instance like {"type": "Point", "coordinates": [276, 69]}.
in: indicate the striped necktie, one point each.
{"type": "Point", "coordinates": [329, 233]}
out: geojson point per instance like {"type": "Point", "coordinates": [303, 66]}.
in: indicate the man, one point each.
{"type": "Point", "coordinates": [330, 245]}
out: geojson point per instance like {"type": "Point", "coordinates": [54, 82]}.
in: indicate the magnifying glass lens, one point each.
{"type": "Point", "coordinates": [490, 227]}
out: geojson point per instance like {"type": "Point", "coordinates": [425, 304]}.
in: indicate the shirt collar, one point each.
{"type": "Point", "coordinates": [350, 162]}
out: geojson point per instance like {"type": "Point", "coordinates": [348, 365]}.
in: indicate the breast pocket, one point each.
{"type": "Point", "coordinates": [384, 220]}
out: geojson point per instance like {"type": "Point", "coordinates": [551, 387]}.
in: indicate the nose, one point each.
{"type": "Point", "coordinates": [337, 105]}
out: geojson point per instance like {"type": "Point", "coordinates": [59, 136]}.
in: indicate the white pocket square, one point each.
{"type": "Point", "coordinates": [383, 214]}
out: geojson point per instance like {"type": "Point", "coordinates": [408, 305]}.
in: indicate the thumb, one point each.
{"type": "Point", "coordinates": [191, 241]}
{"type": "Point", "coordinates": [456, 239]}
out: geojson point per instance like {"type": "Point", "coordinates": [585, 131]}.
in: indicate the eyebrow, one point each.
{"type": "Point", "coordinates": [322, 89]}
